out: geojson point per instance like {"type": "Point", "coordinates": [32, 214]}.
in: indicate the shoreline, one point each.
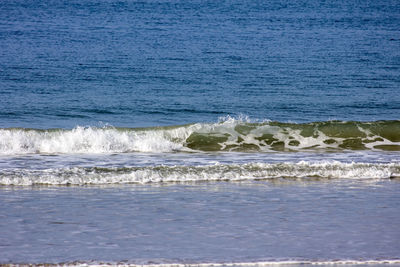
{"type": "Point", "coordinates": [391, 262]}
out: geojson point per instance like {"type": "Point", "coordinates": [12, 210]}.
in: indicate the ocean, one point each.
{"type": "Point", "coordinates": [200, 133]}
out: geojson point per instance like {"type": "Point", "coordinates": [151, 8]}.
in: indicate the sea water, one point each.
{"type": "Point", "coordinates": [212, 133]}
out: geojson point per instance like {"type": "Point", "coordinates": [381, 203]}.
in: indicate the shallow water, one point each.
{"type": "Point", "coordinates": [207, 222]}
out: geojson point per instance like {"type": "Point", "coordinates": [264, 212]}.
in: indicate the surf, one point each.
{"type": "Point", "coordinates": [321, 170]}
{"type": "Point", "coordinates": [230, 135]}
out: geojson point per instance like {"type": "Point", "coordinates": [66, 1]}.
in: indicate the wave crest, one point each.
{"type": "Point", "coordinates": [227, 135]}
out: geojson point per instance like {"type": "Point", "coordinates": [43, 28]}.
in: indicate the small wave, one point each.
{"type": "Point", "coordinates": [227, 135]}
{"type": "Point", "coordinates": [217, 172]}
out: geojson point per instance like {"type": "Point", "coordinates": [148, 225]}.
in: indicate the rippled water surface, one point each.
{"type": "Point", "coordinates": [207, 222]}
{"type": "Point", "coordinates": [151, 63]}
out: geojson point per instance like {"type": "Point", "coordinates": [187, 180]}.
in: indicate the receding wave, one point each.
{"type": "Point", "coordinates": [229, 135]}
{"type": "Point", "coordinates": [218, 172]}
{"type": "Point", "coordinates": [154, 263]}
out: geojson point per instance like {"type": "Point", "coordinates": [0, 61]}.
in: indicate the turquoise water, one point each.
{"type": "Point", "coordinates": [199, 132]}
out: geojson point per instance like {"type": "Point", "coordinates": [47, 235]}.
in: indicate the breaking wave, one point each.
{"type": "Point", "coordinates": [229, 135]}
{"type": "Point", "coordinates": [218, 172]}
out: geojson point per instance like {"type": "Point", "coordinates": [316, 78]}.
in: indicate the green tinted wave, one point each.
{"type": "Point", "coordinates": [278, 136]}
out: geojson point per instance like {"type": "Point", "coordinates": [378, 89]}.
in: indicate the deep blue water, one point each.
{"type": "Point", "coordinates": [245, 155]}
{"type": "Point", "coordinates": [148, 63]}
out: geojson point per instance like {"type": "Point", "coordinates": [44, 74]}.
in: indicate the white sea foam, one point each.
{"type": "Point", "coordinates": [217, 172]}
{"type": "Point", "coordinates": [90, 140]}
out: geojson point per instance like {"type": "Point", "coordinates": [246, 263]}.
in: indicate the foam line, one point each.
{"type": "Point", "coordinates": [389, 262]}
{"type": "Point", "coordinates": [216, 172]}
